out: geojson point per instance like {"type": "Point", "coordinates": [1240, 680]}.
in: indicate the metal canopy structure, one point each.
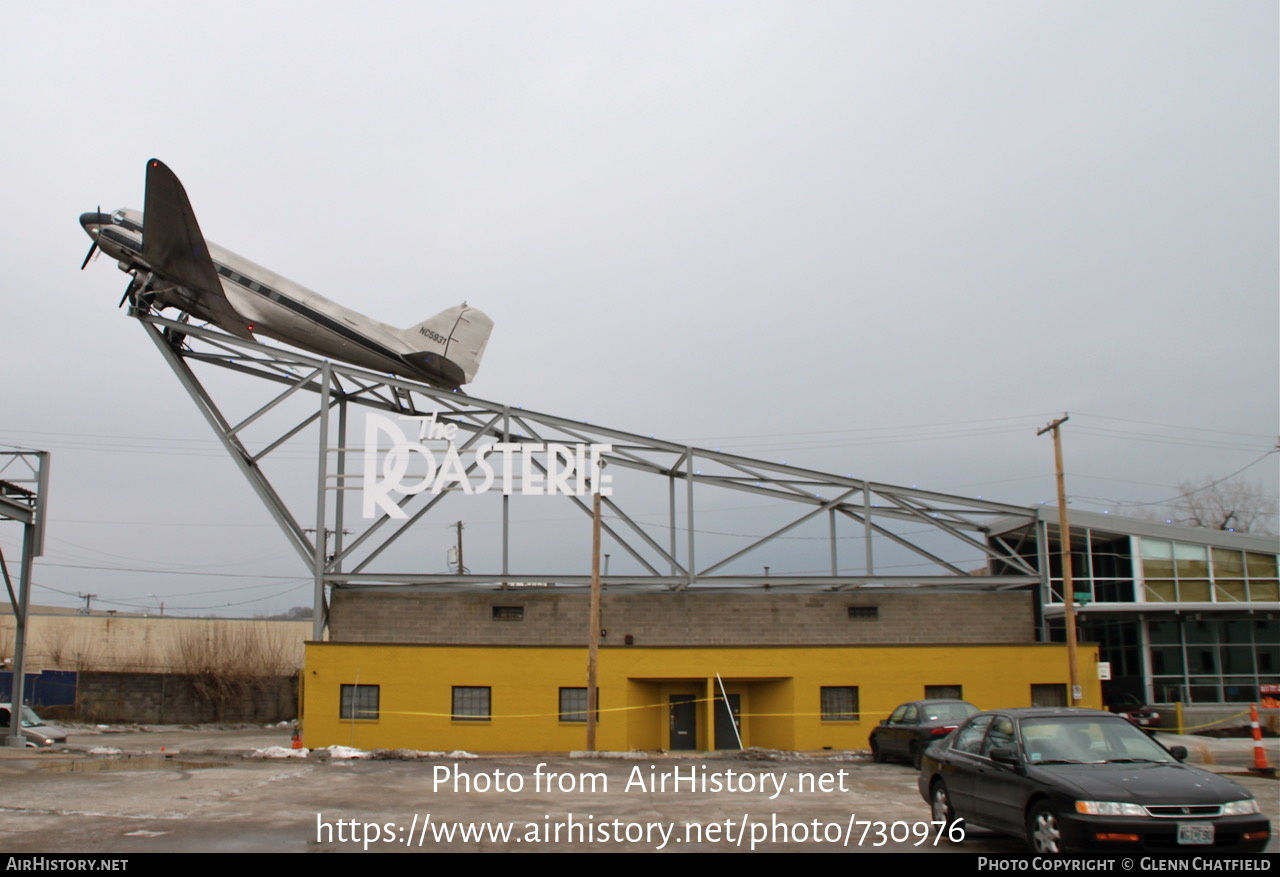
{"type": "Point", "coordinates": [24, 487]}
{"type": "Point", "coordinates": [659, 519]}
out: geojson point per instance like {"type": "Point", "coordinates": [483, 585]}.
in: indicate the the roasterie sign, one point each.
{"type": "Point", "coordinates": [526, 468]}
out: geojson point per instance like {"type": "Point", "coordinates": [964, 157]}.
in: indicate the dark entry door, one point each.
{"type": "Point", "coordinates": [684, 721]}
{"type": "Point", "coordinates": [727, 716]}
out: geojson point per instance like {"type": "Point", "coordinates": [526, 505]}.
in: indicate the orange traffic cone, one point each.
{"type": "Point", "coordinates": [1260, 763]}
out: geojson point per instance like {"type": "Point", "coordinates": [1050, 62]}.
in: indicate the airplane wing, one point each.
{"type": "Point", "coordinates": [176, 250]}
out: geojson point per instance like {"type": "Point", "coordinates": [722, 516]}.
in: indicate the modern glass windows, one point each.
{"type": "Point", "coordinates": [1213, 660]}
{"type": "Point", "coordinates": [1181, 572]}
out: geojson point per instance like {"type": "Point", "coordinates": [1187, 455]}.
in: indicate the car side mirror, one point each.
{"type": "Point", "coordinates": [1006, 755]}
{"type": "Point", "coordinates": [1178, 752]}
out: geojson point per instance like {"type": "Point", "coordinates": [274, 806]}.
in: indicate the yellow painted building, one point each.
{"type": "Point", "coordinates": [501, 698]}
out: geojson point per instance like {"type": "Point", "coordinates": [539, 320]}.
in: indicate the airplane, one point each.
{"type": "Point", "coordinates": [170, 264]}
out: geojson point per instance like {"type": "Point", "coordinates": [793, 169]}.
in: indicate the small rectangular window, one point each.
{"type": "Point", "coordinates": [359, 702]}
{"type": "Point", "coordinates": [840, 703]}
{"type": "Point", "coordinates": [864, 613]}
{"type": "Point", "coordinates": [1054, 694]}
{"type": "Point", "coordinates": [944, 692]}
{"type": "Point", "coordinates": [470, 704]}
{"type": "Point", "coordinates": [508, 613]}
{"type": "Point", "coordinates": [573, 705]}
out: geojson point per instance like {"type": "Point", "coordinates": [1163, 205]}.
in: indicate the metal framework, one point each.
{"type": "Point", "coordinates": [311, 406]}
{"type": "Point", "coordinates": [24, 485]}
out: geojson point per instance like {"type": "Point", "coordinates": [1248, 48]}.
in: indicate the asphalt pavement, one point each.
{"type": "Point", "coordinates": [201, 789]}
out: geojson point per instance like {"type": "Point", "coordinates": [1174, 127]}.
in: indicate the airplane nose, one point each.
{"type": "Point", "coordinates": [88, 219]}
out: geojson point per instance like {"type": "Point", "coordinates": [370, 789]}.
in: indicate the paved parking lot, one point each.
{"type": "Point", "coordinates": [189, 790]}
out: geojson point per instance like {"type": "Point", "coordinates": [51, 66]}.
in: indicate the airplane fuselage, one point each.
{"type": "Point", "coordinates": [214, 284]}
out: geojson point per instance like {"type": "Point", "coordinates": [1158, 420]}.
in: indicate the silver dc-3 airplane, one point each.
{"type": "Point", "coordinates": [170, 264]}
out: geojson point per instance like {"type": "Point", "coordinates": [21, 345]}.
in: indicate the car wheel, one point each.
{"type": "Point", "coordinates": [916, 754]}
{"type": "Point", "coordinates": [876, 755]}
{"type": "Point", "coordinates": [940, 802]}
{"type": "Point", "coordinates": [1044, 831]}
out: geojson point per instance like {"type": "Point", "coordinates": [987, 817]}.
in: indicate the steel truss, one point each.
{"type": "Point", "coordinates": [24, 488]}
{"type": "Point", "coordinates": [667, 556]}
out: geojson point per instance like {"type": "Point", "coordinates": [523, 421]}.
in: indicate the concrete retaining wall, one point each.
{"type": "Point", "coordinates": [173, 699]}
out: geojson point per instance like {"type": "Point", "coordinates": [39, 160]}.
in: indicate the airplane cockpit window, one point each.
{"type": "Point", "coordinates": [118, 217]}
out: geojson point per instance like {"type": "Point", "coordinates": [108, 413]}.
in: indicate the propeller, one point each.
{"type": "Point", "coordinates": [136, 285]}
{"type": "Point", "coordinates": [93, 247]}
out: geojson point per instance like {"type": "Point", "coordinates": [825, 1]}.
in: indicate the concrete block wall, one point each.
{"type": "Point", "coordinates": [680, 619]}
{"type": "Point", "coordinates": [175, 699]}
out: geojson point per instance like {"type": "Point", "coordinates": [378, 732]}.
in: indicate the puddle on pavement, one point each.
{"type": "Point", "coordinates": [122, 763]}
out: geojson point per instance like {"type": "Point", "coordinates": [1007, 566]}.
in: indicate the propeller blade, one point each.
{"type": "Point", "coordinates": [128, 292]}
{"type": "Point", "coordinates": [93, 248]}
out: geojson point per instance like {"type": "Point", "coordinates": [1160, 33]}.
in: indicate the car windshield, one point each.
{"type": "Point", "coordinates": [948, 712]}
{"type": "Point", "coordinates": [29, 718]}
{"type": "Point", "coordinates": [1088, 741]}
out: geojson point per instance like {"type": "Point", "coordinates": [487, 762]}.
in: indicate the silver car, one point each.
{"type": "Point", "coordinates": [34, 729]}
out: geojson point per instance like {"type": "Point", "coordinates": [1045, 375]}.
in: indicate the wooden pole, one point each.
{"type": "Point", "coordinates": [1064, 538]}
{"type": "Point", "coordinates": [593, 640]}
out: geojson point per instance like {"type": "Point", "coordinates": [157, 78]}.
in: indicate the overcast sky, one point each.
{"type": "Point", "coordinates": [886, 238]}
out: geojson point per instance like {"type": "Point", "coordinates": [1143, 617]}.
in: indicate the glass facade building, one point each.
{"type": "Point", "coordinates": [1181, 614]}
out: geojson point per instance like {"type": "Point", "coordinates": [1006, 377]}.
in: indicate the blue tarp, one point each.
{"type": "Point", "coordinates": [50, 688]}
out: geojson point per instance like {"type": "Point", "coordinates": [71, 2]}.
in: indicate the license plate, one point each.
{"type": "Point", "coordinates": [1195, 833]}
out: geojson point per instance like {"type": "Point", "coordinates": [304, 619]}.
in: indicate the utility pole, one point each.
{"type": "Point", "coordinates": [1064, 538]}
{"type": "Point", "coordinates": [593, 642]}
{"type": "Point", "coordinates": [461, 568]}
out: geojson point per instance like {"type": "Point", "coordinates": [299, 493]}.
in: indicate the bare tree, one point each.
{"type": "Point", "coordinates": [1240, 506]}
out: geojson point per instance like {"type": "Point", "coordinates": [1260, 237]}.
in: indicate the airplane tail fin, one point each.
{"type": "Point", "coordinates": [174, 247]}
{"type": "Point", "coordinates": [460, 333]}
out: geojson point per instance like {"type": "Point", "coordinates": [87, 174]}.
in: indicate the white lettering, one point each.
{"type": "Point", "coordinates": [527, 468]}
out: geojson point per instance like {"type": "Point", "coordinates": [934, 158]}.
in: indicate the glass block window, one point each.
{"type": "Point", "coordinates": [839, 703]}
{"type": "Point", "coordinates": [1053, 694]}
{"type": "Point", "coordinates": [359, 702]}
{"type": "Point", "coordinates": [573, 705]}
{"type": "Point", "coordinates": [471, 704]}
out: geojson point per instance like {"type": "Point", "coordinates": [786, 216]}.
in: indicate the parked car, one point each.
{"type": "Point", "coordinates": [1067, 780]}
{"type": "Point", "coordinates": [912, 727]}
{"type": "Point", "coordinates": [1145, 717]}
{"type": "Point", "coordinates": [34, 728]}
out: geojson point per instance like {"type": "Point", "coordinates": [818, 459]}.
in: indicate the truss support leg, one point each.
{"type": "Point", "coordinates": [292, 530]}
{"type": "Point", "coordinates": [319, 562]}
{"type": "Point", "coordinates": [17, 694]}
{"type": "Point", "coordinates": [831, 529]}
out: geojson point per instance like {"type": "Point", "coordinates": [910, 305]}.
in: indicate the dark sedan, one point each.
{"type": "Point", "coordinates": [912, 727]}
{"type": "Point", "coordinates": [1067, 780]}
